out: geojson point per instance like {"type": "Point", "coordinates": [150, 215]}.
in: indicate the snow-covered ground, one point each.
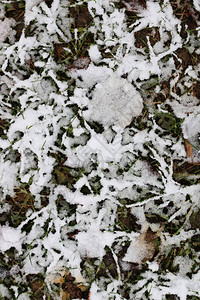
{"type": "Point", "coordinates": [99, 139]}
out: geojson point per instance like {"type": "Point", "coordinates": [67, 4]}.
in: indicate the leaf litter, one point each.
{"type": "Point", "coordinates": [99, 138]}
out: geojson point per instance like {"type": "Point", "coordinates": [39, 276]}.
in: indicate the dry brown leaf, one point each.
{"type": "Point", "coordinates": [188, 149]}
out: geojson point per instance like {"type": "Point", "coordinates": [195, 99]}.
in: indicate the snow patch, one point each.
{"type": "Point", "coordinates": [115, 102]}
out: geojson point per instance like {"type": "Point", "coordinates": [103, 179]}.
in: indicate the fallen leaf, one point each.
{"type": "Point", "coordinates": [188, 149]}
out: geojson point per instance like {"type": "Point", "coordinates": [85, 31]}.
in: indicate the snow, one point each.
{"type": "Point", "coordinates": [8, 170]}
{"type": "Point", "coordinates": [95, 294]}
{"type": "Point", "coordinates": [93, 242]}
{"type": "Point", "coordinates": [185, 106]}
{"type": "Point", "coordinates": [94, 53]}
{"type": "Point", "coordinates": [196, 5]}
{"type": "Point", "coordinates": [10, 237]}
{"type": "Point", "coordinates": [94, 118]}
{"type": "Point", "coordinates": [6, 29]}
{"type": "Point", "coordinates": [91, 76]}
{"type": "Point", "coordinates": [4, 292]}
{"type": "Point", "coordinates": [30, 8]}
{"type": "Point", "coordinates": [115, 101]}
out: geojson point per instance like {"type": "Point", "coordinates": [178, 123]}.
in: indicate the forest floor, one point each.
{"type": "Point", "coordinates": [99, 140]}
